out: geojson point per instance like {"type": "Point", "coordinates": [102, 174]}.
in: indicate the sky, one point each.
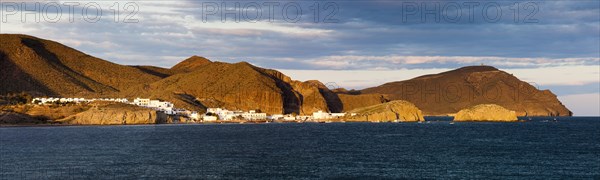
{"type": "Point", "coordinates": [354, 43]}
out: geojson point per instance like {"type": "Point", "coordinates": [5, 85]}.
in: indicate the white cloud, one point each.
{"type": "Point", "coordinates": [564, 75]}
{"type": "Point", "coordinates": [560, 75]}
{"type": "Point", "coordinates": [396, 61]}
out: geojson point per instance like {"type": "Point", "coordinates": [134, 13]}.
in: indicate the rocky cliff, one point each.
{"type": "Point", "coordinates": [448, 92]}
{"type": "Point", "coordinates": [114, 114]}
{"type": "Point", "coordinates": [350, 102]}
{"type": "Point", "coordinates": [97, 113]}
{"type": "Point", "coordinates": [18, 118]}
{"type": "Point", "coordinates": [486, 112]}
{"type": "Point", "coordinates": [402, 111]}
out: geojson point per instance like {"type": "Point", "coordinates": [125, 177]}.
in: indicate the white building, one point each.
{"type": "Point", "coordinates": [209, 118]}
{"type": "Point", "coordinates": [166, 107]}
{"type": "Point", "coordinates": [213, 110]}
{"type": "Point", "coordinates": [276, 116]}
{"type": "Point", "coordinates": [320, 115]}
{"type": "Point", "coordinates": [304, 118]}
{"type": "Point", "coordinates": [338, 115]}
{"type": "Point", "coordinates": [194, 116]}
{"type": "Point", "coordinates": [289, 118]}
{"type": "Point", "coordinates": [253, 115]}
{"type": "Point", "coordinates": [141, 102]}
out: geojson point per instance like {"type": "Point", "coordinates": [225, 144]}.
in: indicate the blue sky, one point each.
{"type": "Point", "coordinates": [356, 44]}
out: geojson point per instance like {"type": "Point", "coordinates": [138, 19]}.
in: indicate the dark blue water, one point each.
{"type": "Point", "coordinates": [539, 149]}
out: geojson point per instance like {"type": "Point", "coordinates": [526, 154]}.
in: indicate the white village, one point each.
{"type": "Point", "coordinates": [211, 115]}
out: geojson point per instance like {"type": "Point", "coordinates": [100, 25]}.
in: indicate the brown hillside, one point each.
{"type": "Point", "coordinates": [235, 86]}
{"type": "Point", "coordinates": [190, 64]}
{"type": "Point", "coordinates": [449, 92]}
{"type": "Point", "coordinates": [44, 67]}
{"type": "Point", "coordinates": [49, 68]}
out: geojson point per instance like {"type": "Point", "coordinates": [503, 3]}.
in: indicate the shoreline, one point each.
{"type": "Point", "coordinates": [521, 120]}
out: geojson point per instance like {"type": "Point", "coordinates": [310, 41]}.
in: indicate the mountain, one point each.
{"type": "Point", "coordinates": [191, 64]}
{"type": "Point", "coordinates": [239, 86]}
{"type": "Point", "coordinates": [243, 86]}
{"type": "Point", "coordinates": [44, 67]}
{"type": "Point", "coordinates": [449, 92]}
{"type": "Point", "coordinates": [47, 68]}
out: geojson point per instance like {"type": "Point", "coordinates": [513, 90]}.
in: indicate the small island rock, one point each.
{"type": "Point", "coordinates": [486, 112]}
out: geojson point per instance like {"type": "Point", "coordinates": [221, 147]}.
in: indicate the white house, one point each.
{"type": "Point", "coordinates": [289, 118]}
{"type": "Point", "coordinates": [304, 118]}
{"type": "Point", "coordinates": [209, 118]}
{"type": "Point", "coordinates": [253, 115]}
{"type": "Point", "coordinates": [276, 116]}
{"type": "Point", "coordinates": [194, 116]}
{"type": "Point", "coordinates": [338, 115]}
{"type": "Point", "coordinates": [213, 110]}
{"type": "Point", "coordinates": [141, 102]}
{"type": "Point", "coordinates": [320, 115]}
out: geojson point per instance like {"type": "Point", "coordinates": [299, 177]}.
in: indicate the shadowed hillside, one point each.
{"type": "Point", "coordinates": [38, 66]}
{"type": "Point", "coordinates": [235, 86]}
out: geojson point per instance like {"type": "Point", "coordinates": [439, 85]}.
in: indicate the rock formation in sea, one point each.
{"type": "Point", "coordinates": [486, 112]}
{"type": "Point", "coordinates": [398, 110]}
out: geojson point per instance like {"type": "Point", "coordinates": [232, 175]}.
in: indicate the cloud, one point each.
{"type": "Point", "coordinates": [398, 61]}
{"type": "Point", "coordinates": [368, 35]}
{"type": "Point", "coordinates": [371, 39]}
{"type": "Point", "coordinates": [583, 77]}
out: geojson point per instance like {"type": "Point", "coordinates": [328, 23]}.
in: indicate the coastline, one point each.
{"type": "Point", "coordinates": [428, 119]}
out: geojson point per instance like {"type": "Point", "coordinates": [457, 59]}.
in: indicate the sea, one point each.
{"type": "Point", "coordinates": [538, 148]}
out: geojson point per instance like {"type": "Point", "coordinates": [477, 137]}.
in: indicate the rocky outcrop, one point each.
{"type": "Point", "coordinates": [310, 96]}
{"type": "Point", "coordinates": [486, 112]}
{"type": "Point", "coordinates": [401, 111]}
{"type": "Point", "coordinates": [448, 92]}
{"type": "Point", "coordinates": [350, 102]}
{"type": "Point", "coordinates": [17, 118]}
{"type": "Point", "coordinates": [116, 116]}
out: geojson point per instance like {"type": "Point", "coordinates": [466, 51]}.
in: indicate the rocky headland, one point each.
{"type": "Point", "coordinates": [98, 113]}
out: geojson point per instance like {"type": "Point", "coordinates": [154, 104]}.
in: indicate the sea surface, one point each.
{"type": "Point", "coordinates": [438, 149]}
